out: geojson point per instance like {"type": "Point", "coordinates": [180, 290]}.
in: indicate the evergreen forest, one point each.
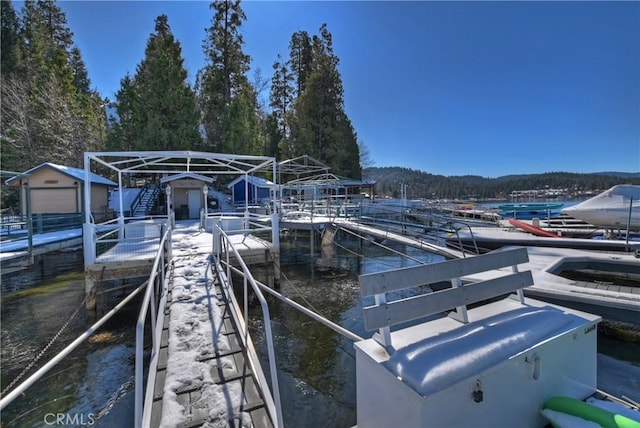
{"type": "Point", "coordinates": [466, 187]}
{"type": "Point", "coordinates": [51, 113]}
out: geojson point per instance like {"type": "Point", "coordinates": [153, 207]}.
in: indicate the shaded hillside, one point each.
{"type": "Point", "coordinates": [424, 185]}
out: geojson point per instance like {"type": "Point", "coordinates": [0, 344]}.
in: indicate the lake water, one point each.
{"type": "Point", "coordinates": [94, 384]}
{"type": "Point", "coordinates": [316, 367]}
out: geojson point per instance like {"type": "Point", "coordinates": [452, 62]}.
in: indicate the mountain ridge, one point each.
{"type": "Point", "coordinates": [422, 184]}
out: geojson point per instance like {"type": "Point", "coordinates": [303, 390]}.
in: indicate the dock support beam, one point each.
{"type": "Point", "coordinates": [97, 274]}
{"type": "Point", "coordinates": [89, 244]}
{"type": "Point", "coordinates": [90, 292]}
{"type": "Point", "coordinates": [275, 246]}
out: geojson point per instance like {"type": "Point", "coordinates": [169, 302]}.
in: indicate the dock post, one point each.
{"type": "Point", "coordinates": [89, 246]}
{"type": "Point", "coordinates": [312, 242]}
{"type": "Point", "coordinates": [275, 247]}
{"type": "Point", "coordinates": [275, 231]}
{"type": "Point", "coordinates": [328, 236]}
{"type": "Point", "coordinates": [90, 290]}
{"type": "Point", "coordinates": [275, 255]}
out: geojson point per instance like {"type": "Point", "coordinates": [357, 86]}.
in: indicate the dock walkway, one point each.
{"type": "Point", "coordinates": [612, 301]}
{"type": "Point", "coordinates": [203, 374]}
{"type": "Point", "coordinates": [491, 238]}
{"type": "Point", "coordinates": [16, 255]}
{"type": "Point", "coordinates": [621, 303]}
{"type": "Point", "coordinates": [407, 240]}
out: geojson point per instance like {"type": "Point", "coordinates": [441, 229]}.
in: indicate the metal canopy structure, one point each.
{"type": "Point", "coordinates": [302, 165]}
{"type": "Point", "coordinates": [328, 180]}
{"type": "Point", "coordinates": [158, 162]}
{"type": "Point", "coordinates": [165, 163]}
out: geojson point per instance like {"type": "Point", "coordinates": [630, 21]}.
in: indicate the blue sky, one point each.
{"type": "Point", "coordinates": [451, 88]}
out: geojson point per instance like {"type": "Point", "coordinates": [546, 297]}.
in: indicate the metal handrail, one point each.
{"type": "Point", "coordinates": [136, 201]}
{"type": "Point", "coordinates": [6, 400]}
{"type": "Point", "coordinates": [249, 225]}
{"type": "Point", "coordinates": [220, 238]}
{"type": "Point", "coordinates": [149, 303]}
{"type": "Point", "coordinates": [315, 316]}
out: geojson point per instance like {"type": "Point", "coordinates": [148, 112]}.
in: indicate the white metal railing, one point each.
{"type": "Point", "coordinates": [8, 398]}
{"type": "Point", "coordinates": [232, 223]}
{"type": "Point", "coordinates": [156, 287]}
{"type": "Point", "coordinates": [133, 236]}
{"type": "Point", "coordinates": [222, 245]}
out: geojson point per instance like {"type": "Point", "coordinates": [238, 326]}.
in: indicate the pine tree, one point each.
{"type": "Point", "coordinates": [13, 121]}
{"type": "Point", "coordinates": [80, 74]}
{"type": "Point", "coordinates": [48, 41]}
{"type": "Point", "coordinates": [280, 100]}
{"type": "Point", "coordinates": [227, 99]}
{"type": "Point", "coordinates": [319, 125]}
{"type": "Point", "coordinates": [10, 39]}
{"type": "Point", "coordinates": [245, 127]}
{"type": "Point", "coordinates": [45, 116]}
{"type": "Point", "coordinates": [172, 115]}
{"type": "Point", "coordinates": [273, 137]}
{"type": "Point", "coordinates": [126, 130]}
{"type": "Point", "coordinates": [157, 108]}
{"type": "Point", "coordinates": [300, 59]}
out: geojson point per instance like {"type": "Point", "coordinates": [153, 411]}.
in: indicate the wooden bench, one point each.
{"type": "Point", "coordinates": [384, 314]}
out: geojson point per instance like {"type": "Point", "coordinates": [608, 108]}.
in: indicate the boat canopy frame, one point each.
{"type": "Point", "coordinates": [166, 163]}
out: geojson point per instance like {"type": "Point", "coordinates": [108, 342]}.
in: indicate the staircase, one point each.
{"type": "Point", "coordinates": [146, 199]}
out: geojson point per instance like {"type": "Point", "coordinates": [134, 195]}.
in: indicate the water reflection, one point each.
{"type": "Point", "coordinates": [45, 268]}
{"type": "Point", "coordinates": [316, 366]}
{"type": "Point", "coordinates": [94, 384]}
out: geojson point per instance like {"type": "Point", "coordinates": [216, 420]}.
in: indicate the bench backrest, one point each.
{"type": "Point", "coordinates": [384, 314]}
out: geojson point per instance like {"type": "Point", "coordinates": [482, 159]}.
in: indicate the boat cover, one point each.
{"type": "Point", "coordinates": [433, 364]}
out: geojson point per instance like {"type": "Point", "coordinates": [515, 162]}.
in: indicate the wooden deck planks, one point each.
{"type": "Point", "coordinates": [240, 374]}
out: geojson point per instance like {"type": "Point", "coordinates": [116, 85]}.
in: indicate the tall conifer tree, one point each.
{"type": "Point", "coordinates": [127, 128]}
{"type": "Point", "coordinates": [280, 100]}
{"type": "Point", "coordinates": [300, 59]}
{"type": "Point", "coordinates": [227, 99]}
{"type": "Point", "coordinates": [319, 125]}
{"type": "Point", "coordinates": [45, 117]}
{"type": "Point", "coordinates": [10, 40]}
{"type": "Point", "coordinates": [79, 70]}
{"type": "Point", "coordinates": [157, 107]}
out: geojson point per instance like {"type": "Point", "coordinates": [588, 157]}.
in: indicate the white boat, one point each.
{"type": "Point", "coordinates": [617, 207]}
{"type": "Point", "coordinates": [512, 362]}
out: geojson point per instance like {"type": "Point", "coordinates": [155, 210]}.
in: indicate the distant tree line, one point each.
{"type": "Point", "coordinates": [424, 185]}
{"type": "Point", "coordinates": [50, 113]}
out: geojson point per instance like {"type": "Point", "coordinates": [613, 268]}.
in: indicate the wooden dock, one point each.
{"type": "Point", "coordinates": [228, 368]}
{"type": "Point", "coordinates": [397, 237]}
{"type": "Point", "coordinates": [492, 238]}
{"type": "Point", "coordinates": [204, 372]}
{"type": "Point", "coordinates": [612, 301]}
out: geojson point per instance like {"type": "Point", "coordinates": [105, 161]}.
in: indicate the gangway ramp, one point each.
{"type": "Point", "coordinates": [397, 237]}
{"type": "Point", "coordinates": [206, 371]}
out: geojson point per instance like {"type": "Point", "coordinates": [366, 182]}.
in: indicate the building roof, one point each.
{"type": "Point", "coordinates": [184, 175]}
{"type": "Point", "coordinates": [76, 173]}
{"type": "Point", "coordinates": [256, 181]}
